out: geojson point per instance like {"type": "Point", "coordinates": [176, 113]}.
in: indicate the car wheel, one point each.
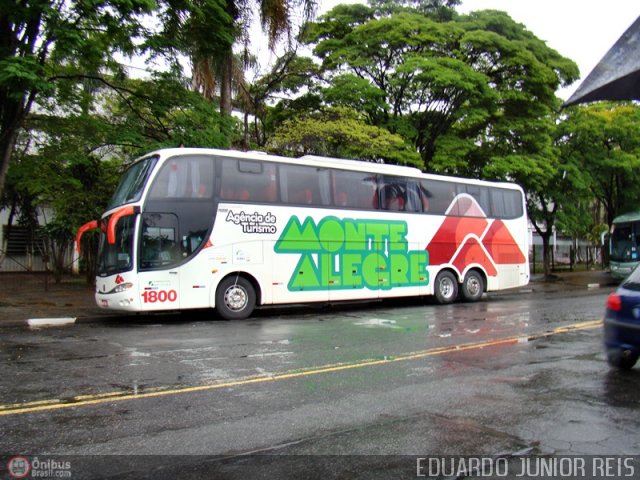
{"type": "Point", "coordinates": [235, 298]}
{"type": "Point", "coordinates": [472, 286]}
{"type": "Point", "coordinates": [621, 360]}
{"type": "Point", "coordinates": [446, 287]}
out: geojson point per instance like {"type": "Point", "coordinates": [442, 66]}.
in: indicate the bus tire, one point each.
{"type": "Point", "coordinates": [235, 298]}
{"type": "Point", "coordinates": [472, 286]}
{"type": "Point", "coordinates": [446, 287]}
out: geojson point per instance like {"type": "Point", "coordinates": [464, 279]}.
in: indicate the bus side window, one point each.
{"type": "Point", "coordinates": [438, 195]}
{"type": "Point", "coordinates": [271, 192]}
{"type": "Point", "coordinates": [400, 194]}
{"type": "Point", "coordinates": [353, 189]}
{"type": "Point", "coordinates": [201, 170]}
{"type": "Point", "coordinates": [304, 196]}
{"type": "Point", "coordinates": [342, 199]}
{"type": "Point", "coordinates": [305, 185]}
{"type": "Point", "coordinates": [393, 197]}
{"type": "Point", "coordinates": [481, 195]}
{"type": "Point", "coordinates": [414, 202]}
{"type": "Point", "coordinates": [226, 193]}
{"type": "Point", "coordinates": [184, 177]}
{"type": "Point", "coordinates": [505, 203]}
{"type": "Point", "coordinates": [177, 179]}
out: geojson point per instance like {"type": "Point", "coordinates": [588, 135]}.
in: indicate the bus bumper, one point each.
{"type": "Point", "coordinates": [111, 295]}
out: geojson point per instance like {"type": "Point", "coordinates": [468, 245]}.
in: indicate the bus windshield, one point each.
{"type": "Point", "coordinates": [118, 257]}
{"type": "Point", "coordinates": [132, 184]}
{"type": "Point", "coordinates": [622, 243]}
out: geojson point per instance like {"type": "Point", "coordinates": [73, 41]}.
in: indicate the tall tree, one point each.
{"type": "Point", "coordinates": [203, 30]}
{"type": "Point", "coordinates": [438, 9]}
{"type": "Point", "coordinates": [42, 41]}
{"type": "Point", "coordinates": [214, 65]}
{"type": "Point", "coordinates": [289, 74]}
{"type": "Point", "coordinates": [463, 82]}
{"type": "Point", "coordinates": [604, 139]}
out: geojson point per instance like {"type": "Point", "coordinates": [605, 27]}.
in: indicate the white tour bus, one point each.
{"type": "Point", "coordinates": [199, 228]}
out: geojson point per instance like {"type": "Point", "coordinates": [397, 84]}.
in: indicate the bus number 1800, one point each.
{"type": "Point", "coordinates": [154, 296]}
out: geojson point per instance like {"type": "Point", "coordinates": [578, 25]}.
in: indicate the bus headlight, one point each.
{"type": "Point", "coordinates": [123, 287]}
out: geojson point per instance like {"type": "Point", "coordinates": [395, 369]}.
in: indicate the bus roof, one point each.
{"type": "Point", "coordinates": [315, 160]}
{"type": "Point", "coordinates": [320, 161]}
{"type": "Point", "coordinates": [370, 166]}
{"type": "Point", "coordinates": [628, 217]}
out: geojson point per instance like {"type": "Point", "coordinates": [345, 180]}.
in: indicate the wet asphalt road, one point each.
{"type": "Point", "coordinates": [514, 373]}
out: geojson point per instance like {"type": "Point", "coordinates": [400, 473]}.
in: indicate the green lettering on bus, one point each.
{"type": "Point", "coordinates": [350, 253]}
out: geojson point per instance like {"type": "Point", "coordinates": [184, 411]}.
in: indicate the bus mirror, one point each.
{"type": "Point", "coordinates": [92, 225]}
{"type": "Point", "coordinates": [113, 221]}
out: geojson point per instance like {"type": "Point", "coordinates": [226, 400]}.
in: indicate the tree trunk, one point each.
{"type": "Point", "coordinates": [91, 258]}
{"type": "Point", "coordinates": [225, 84]}
{"type": "Point", "coordinates": [7, 141]}
{"type": "Point", "coordinates": [546, 253]}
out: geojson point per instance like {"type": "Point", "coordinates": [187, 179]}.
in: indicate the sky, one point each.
{"type": "Point", "coordinates": [582, 30]}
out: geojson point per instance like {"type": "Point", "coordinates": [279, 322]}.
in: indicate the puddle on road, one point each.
{"type": "Point", "coordinates": [378, 322]}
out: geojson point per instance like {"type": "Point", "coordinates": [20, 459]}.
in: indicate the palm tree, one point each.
{"type": "Point", "coordinates": [219, 67]}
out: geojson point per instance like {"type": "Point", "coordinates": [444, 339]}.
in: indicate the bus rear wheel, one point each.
{"type": "Point", "coordinates": [446, 287]}
{"type": "Point", "coordinates": [235, 298]}
{"type": "Point", "coordinates": [472, 286]}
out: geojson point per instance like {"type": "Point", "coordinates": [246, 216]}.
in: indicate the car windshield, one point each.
{"type": "Point", "coordinates": [133, 182]}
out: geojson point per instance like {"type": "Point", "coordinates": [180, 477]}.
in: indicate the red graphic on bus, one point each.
{"type": "Point", "coordinates": [467, 237]}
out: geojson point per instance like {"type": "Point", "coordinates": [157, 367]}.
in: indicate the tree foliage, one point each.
{"type": "Point", "coordinates": [340, 132]}
{"type": "Point", "coordinates": [73, 151]}
{"type": "Point", "coordinates": [475, 79]}
{"type": "Point", "coordinates": [44, 41]}
{"type": "Point", "coordinates": [408, 82]}
{"type": "Point", "coordinates": [603, 141]}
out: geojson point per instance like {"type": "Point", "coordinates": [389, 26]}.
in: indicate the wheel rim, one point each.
{"type": "Point", "coordinates": [446, 287]}
{"type": "Point", "coordinates": [235, 298]}
{"type": "Point", "coordinates": [473, 286]}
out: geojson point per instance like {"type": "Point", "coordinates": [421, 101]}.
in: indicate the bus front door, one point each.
{"type": "Point", "coordinates": [160, 253]}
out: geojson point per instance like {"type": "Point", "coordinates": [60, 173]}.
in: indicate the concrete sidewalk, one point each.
{"type": "Point", "coordinates": [25, 296]}
{"type": "Point", "coordinates": [579, 279]}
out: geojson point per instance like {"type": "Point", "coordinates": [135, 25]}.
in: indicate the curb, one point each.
{"type": "Point", "coordinates": [53, 322]}
{"type": "Point", "coordinates": [50, 322]}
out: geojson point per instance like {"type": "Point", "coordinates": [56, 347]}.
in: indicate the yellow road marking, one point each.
{"type": "Point", "coordinates": [117, 396]}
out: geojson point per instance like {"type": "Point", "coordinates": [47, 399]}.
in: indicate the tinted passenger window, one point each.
{"type": "Point", "coordinates": [248, 181]}
{"type": "Point", "coordinates": [354, 190]}
{"type": "Point", "coordinates": [437, 196]}
{"type": "Point", "coordinates": [506, 203]}
{"type": "Point", "coordinates": [304, 185]}
{"type": "Point", "coordinates": [400, 194]}
{"type": "Point", "coordinates": [184, 177]}
{"type": "Point", "coordinates": [481, 195]}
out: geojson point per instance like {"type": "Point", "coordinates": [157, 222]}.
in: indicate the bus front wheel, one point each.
{"type": "Point", "coordinates": [446, 287]}
{"type": "Point", "coordinates": [235, 298]}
